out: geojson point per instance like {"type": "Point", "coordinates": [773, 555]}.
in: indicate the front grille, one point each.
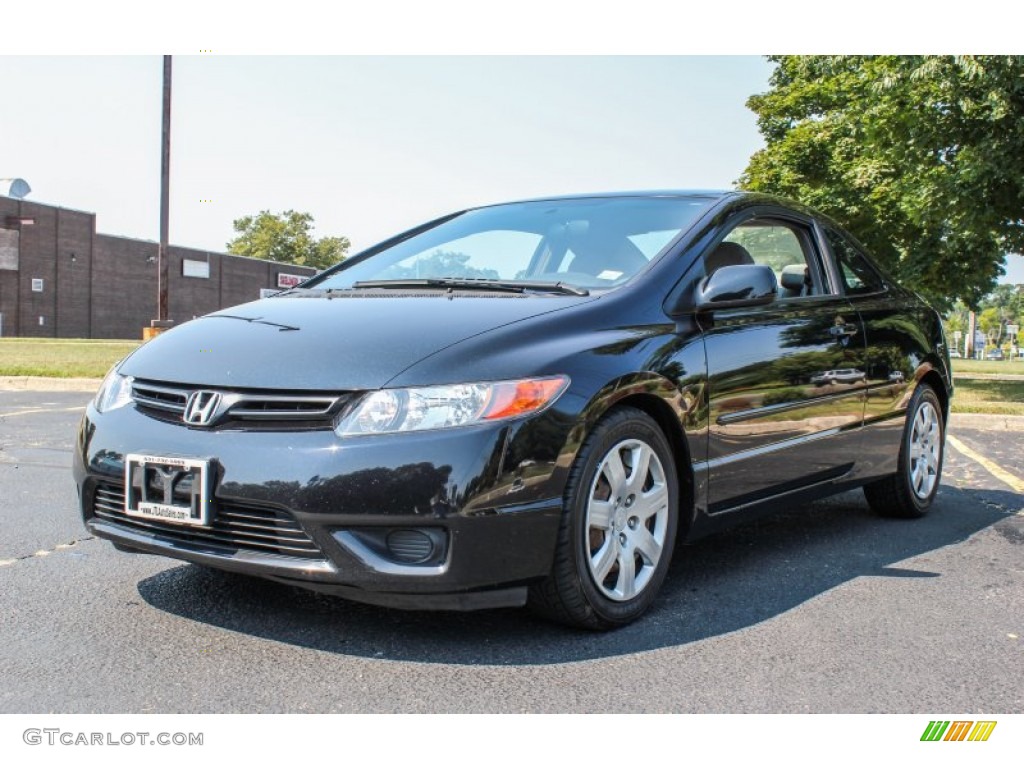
{"type": "Point", "coordinates": [248, 409]}
{"type": "Point", "coordinates": [162, 398]}
{"type": "Point", "coordinates": [234, 527]}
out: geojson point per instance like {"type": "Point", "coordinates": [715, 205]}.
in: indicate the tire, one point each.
{"type": "Point", "coordinates": [910, 491]}
{"type": "Point", "coordinates": [618, 526]}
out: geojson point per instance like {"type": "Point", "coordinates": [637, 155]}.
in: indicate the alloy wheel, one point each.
{"type": "Point", "coordinates": [925, 447]}
{"type": "Point", "coordinates": [627, 519]}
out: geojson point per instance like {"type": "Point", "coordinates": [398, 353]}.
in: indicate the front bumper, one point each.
{"type": "Point", "coordinates": [308, 508]}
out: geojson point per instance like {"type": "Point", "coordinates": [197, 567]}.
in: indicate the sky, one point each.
{"type": "Point", "coordinates": [1014, 273]}
{"type": "Point", "coordinates": [369, 145]}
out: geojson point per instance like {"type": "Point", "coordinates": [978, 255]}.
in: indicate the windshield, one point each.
{"type": "Point", "coordinates": [592, 243]}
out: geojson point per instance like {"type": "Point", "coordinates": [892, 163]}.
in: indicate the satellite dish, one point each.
{"type": "Point", "coordinates": [16, 188]}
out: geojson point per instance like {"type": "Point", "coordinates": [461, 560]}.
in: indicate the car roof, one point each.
{"type": "Point", "coordinates": [708, 194]}
{"type": "Point", "coordinates": [712, 196]}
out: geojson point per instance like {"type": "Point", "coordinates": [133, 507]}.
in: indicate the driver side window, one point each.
{"type": "Point", "coordinates": [782, 246]}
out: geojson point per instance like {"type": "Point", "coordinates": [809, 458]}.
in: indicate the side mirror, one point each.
{"type": "Point", "coordinates": [742, 285]}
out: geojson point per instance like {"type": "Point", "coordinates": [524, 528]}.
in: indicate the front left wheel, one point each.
{"type": "Point", "coordinates": [618, 528]}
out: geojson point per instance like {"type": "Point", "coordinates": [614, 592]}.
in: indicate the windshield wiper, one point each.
{"type": "Point", "coordinates": [477, 284]}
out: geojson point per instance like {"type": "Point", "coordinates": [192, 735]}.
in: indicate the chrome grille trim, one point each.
{"type": "Point", "coordinates": [160, 397]}
{"type": "Point", "coordinates": [242, 406]}
{"type": "Point", "coordinates": [270, 406]}
{"type": "Point", "coordinates": [233, 527]}
{"type": "Point", "coordinates": [243, 560]}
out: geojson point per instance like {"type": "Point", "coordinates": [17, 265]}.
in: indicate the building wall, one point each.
{"type": "Point", "coordinates": [73, 259]}
{"type": "Point", "coordinates": [105, 287]}
{"type": "Point", "coordinates": [123, 287]}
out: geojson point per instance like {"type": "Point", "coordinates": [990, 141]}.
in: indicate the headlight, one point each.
{"type": "Point", "coordinates": [450, 405]}
{"type": "Point", "coordinates": [115, 391]}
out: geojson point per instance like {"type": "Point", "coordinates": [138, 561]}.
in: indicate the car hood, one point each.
{"type": "Point", "coordinates": [306, 343]}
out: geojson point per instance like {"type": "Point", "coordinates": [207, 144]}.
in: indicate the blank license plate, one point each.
{"type": "Point", "coordinates": [167, 488]}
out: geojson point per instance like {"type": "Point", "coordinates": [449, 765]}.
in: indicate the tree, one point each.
{"type": "Point", "coordinates": [286, 237]}
{"type": "Point", "coordinates": [956, 320]}
{"type": "Point", "coordinates": [1007, 301]}
{"type": "Point", "coordinates": [921, 157]}
{"type": "Point", "coordinates": [438, 264]}
{"type": "Point", "coordinates": [991, 324]}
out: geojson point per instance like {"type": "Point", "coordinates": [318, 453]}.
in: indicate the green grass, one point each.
{"type": "Point", "coordinates": [987, 366]}
{"type": "Point", "coordinates": [61, 358]}
{"type": "Point", "coordinates": [988, 396]}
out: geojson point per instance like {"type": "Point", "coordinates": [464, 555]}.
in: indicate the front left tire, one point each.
{"type": "Point", "coordinates": [618, 526]}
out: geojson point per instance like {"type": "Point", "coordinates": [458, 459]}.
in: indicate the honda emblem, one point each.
{"type": "Point", "coordinates": [201, 408]}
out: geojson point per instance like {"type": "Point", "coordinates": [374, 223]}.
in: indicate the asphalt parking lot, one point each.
{"type": "Point", "coordinates": [823, 608]}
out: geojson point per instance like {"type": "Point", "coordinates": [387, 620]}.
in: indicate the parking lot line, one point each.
{"type": "Point", "coordinates": [1001, 474]}
{"type": "Point", "coordinates": [41, 410]}
{"type": "Point", "coordinates": [46, 552]}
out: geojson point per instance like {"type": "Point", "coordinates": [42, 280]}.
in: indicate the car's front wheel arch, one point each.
{"type": "Point", "coordinates": [670, 425]}
{"type": "Point", "coordinates": [618, 527]}
{"type": "Point", "coordinates": [654, 395]}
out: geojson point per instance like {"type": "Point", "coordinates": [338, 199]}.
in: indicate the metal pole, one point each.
{"type": "Point", "coordinates": [971, 328]}
{"type": "Point", "coordinates": [165, 187]}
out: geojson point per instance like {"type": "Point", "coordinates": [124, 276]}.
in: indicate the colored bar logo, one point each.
{"type": "Point", "coordinates": [958, 730]}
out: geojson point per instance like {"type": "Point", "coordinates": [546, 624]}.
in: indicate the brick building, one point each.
{"type": "Point", "coordinates": [60, 278]}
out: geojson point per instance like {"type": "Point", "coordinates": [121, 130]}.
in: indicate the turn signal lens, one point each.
{"type": "Point", "coordinates": [516, 398]}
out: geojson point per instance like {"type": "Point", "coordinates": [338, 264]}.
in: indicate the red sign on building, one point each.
{"type": "Point", "coordinates": [284, 280]}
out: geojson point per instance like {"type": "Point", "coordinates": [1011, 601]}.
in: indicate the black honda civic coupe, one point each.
{"type": "Point", "coordinates": [530, 403]}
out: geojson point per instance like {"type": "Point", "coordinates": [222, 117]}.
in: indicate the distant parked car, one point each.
{"type": "Point", "coordinates": [955, 353]}
{"type": "Point", "coordinates": [839, 376]}
{"type": "Point", "coordinates": [896, 377]}
{"type": "Point", "coordinates": [994, 354]}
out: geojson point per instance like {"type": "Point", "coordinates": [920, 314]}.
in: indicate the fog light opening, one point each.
{"type": "Point", "coordinates": [408, 545]}
{"type": "Point", "coordinates": [411, 550]}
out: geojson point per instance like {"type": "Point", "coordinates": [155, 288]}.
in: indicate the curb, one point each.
{"type": "Point", "coordinates": [989, 376]}
{"type": "Point", "coordinates": [990, 421]}
{"type": "Point", "coordinates": [47, 384]}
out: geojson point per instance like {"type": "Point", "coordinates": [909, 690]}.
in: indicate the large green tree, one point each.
{"type": "Point", "coordinates": [921, 157]}
{"type": "Point", "coordinates": [286, 237]}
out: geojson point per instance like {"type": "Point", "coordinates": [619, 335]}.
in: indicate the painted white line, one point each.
{"type": "Point", "coordinates": [45, 552]}
{"type": "Point", "coordinates": [41, 410]}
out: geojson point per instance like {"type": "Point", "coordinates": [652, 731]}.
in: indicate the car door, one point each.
{"type": "Point", "coordinates": [780, 419]}
{"type": "Point", "coordinates": [896, 348]}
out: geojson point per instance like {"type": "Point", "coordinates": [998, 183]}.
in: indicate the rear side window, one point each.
{"type": "Point", "coordinates": [857, 274]}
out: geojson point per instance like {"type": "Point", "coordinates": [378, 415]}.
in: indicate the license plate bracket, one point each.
{"type": "Point", "coordinates": [171, 489]}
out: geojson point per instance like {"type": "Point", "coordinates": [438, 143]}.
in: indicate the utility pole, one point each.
{"type": "Point", "coordinates": [161, 322]}
{"type": "Point", "coordinates": [972, 327]}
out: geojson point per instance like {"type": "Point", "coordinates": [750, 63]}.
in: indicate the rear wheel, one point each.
{"type": "Point", "coordinates": [618, 527]}
{"type": "Point", "coordinates": [910, 491]}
